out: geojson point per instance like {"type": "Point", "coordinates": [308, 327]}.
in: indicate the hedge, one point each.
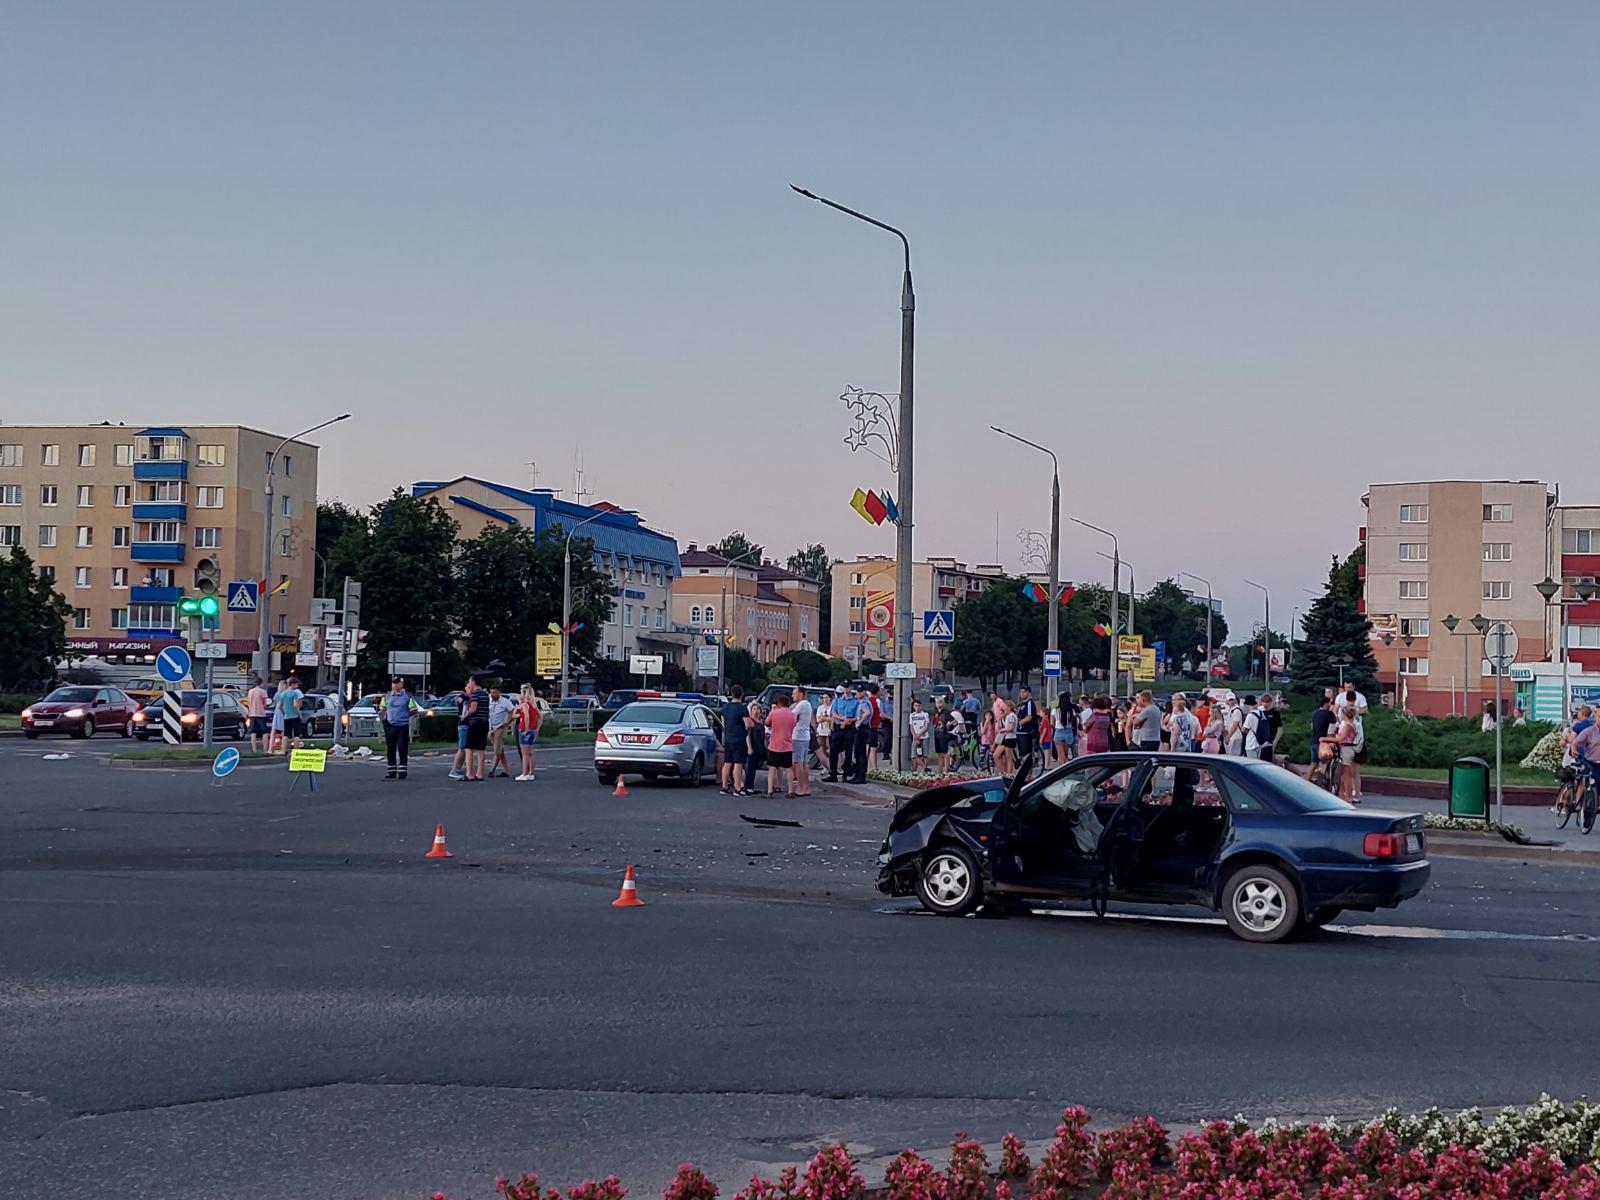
{"type": "Point", "coordinates": [1394, 740]}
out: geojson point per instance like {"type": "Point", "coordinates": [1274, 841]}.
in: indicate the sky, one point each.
{"type": "Point", "coordinates": [1233, 262]}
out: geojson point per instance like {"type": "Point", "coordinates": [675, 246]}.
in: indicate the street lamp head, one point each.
{"type": "Point", "coordinates": [1388, 639]}
{"type": "Point", "coordinates": [803, 192]}
{"type": "Point", "coordinates": [1481, 623]}
{"type": "Point", "coordinates": [1408, 639]}
{"type": "Point", "coordinates": [1587, 589]}
{"type": "Point", "coordinates": [1548, 588]}
{"type": "Point", "coordinates": [1450, 622]}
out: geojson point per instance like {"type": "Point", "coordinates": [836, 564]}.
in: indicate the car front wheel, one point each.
{"type": "Point", "coordinates": [87, 729]}
{"type": "Point", "coordinates": [1260, 904]}
{"type": "Point", "coordinates": [949, 883]}
{"type": "Point", "coordinates": [127, 728]}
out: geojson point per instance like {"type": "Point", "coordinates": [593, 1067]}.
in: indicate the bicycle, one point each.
{"type": "Point", "coordinates": [1570, 798]}
{"type": "Point", "coordinates": [1591, 795]}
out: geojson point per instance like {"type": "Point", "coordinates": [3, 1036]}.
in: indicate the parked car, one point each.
{"type": "Point", "coordinates": [814, 693]}
{"type": "Point", "coordinates": [1271, 852]}
{"type": "Point", "coordinates": [146, 688]}
{"type": "Point", "coordinates": [81, 711]}
{"type": "Point", "coordinates": [320, 712]}
{"type": "Point", "coordinates": [653, 738]}
{"type": "Point", "coordinates": [578, 703]}
{"type": "Point", "coordinates": [227, 717]}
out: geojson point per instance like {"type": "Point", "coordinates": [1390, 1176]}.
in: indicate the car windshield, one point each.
{"type": "Point", "coordinates": [371, 701]}
{"type": "Point", "coordinates": [192, 699]}
{"type": "Point", "coordinates": [71, 695]}
{"type": "Point", "coordinates": [1297, 791]}
{"type": "Point", "coordinates": [574, 702]}
{"type": "Point", "coordinates": [651, 714]}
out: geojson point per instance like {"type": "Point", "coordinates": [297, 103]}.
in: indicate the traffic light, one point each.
{"type": "Point", "coordinates": [360, 638]}
{"type": "Point", "coordinates": [189, 606]}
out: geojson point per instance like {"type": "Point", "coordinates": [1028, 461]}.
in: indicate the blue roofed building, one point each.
{"type": "Point", "coordinates": [642, 562]}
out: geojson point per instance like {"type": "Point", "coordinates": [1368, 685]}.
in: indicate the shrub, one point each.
{"type": "Point", "coordinates": [691, 1184]}
{"type": "Point", "coordinates": [15, 702]}
{"type": "Point", "coordinates": [436, 729]}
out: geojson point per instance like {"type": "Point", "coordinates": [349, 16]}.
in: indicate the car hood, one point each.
{"type": "Point", "coordinates": [939, 799]}
{"type": "Point", "coordinates": [56, 707]}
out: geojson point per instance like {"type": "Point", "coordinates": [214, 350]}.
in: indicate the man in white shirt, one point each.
{"type": "Point", "coordinates": [500, 710]}
{"type": "Point", "coordinates": [1233, 736]}
{"type": "Point", "coordinates": [802, 742]}
{"type": "Point", "coordinates": [1256, 729]}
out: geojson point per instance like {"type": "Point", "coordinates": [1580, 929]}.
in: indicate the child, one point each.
{"type": "Point", "coordinates": [986, 742]}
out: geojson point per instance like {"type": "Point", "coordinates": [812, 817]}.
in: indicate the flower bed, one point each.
{"type": "Point", "coordinates": [1468, 825]}
{"type": "Point", "coordinates": [921, 780]}
{"type": "Point", "coordinates": [1544, 1152]}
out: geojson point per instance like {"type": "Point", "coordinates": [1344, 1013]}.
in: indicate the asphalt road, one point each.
{"type": "Point", "coordinates": [244, 990]}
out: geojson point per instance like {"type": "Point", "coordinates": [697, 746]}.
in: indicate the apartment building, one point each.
{"type": "Point", "coordinates": [118, 516]}
{"type": "Point", "coordinates": [1457, 548]}
{"type": "Point", "coordinates": [860, 583]}
{"type": "Point", "coordinates": [642, 562]}
{"type": "Point", "coordinates": [762, 608]}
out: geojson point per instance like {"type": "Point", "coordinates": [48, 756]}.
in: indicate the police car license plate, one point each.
{"type": "Point", "coordinates": [636, 738]}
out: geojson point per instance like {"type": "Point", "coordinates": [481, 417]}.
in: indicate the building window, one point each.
{"type": "Point", "coordinates": [162, 449]}
{"type": "Point", "coordinates": [1580, 541]}
{"type": "Point", "coordinates": [208, 538]}
{"type": "Point", "coordinates": [119, 577]}
{"type": "Point", "coordinates": [857, 578]}
{"type": "Point", "coordinates": [1413, 626]}
{"type": "Point", "coordinates": [121, 496]}
{"type": "Point", "coordinates": [10, 535]}
{"type": "Point", "coordinates": [85, 535]}
{"type": "Point", "coordinates": [1413, 551]}
{"type": "Point", "coordinates": [1413, 589]}
{"type": "Point", "coordinates": [152, 616]}
{"type": "Point", "coordinates": [80, 577]}
{"type": "Point", "coordinates": [50, 455]}
{"type": "Point", "coordinates": [1497, 552]}
{"type": "Point", "coordinates": [164, 491]}
{"type": "Point", "coordinates": [288, 465]}
{"type": "Point", "coordinates": [80, 618]}
{"type": "Point", "coordinates": [166, 532]}
{"type": "Point", "coordinates": [1497, 589]}
{"type": "Point", "coordinates": [1413, 514]}
{"type": "Point", "coordinates": [47, 572]}
{"type": "Point", "coordinates": [1583, 637]}
{"type": "Point", "coordinates": [694, 615]}
{"type": "Point", "coordinates": [1413, 666]}
{"type": "Point", "coordinates": [10, 454]}
{"type": "Point", "coordinates": [86, 455]}
{"type": "Point", "coordinates": [121, 535]}
{"type": "Point", "coordinates": [627, 614]}
{"type": "Point", "coordinates": [124, 454]}
{"type": "Point", "coordinates": [283, 543]}
{"type": "Point", "coordinates": [858, 601]}
{"type": "Point", "coordinates": [10, 493]}
{"type": "Point", "coordinates": [1497, 512]}
{"type": "Point", "coordinates": [283, 508]}
{"type": "Point", "coordinates": [119, 618]}
{"type": "Point", "coordinates": [208, 497]}
{"type": "Point", "coordinates": [47, 535]}
{"type": "Point", "coordinates": [85, 495]}
{"type": "Point", "coordinates": [160, 577]}
{"type": "Point", "coordinates": [855, 627]}
{"type": "Point", "coordinates": [661, 617]}
{"type": "Point", "coordinates": [49, 494]}
{"type": "Point", "coordinates": [210, 456]}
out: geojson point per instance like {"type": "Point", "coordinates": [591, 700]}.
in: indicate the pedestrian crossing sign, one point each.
{"type": "Point", "coordinates": [242, 596]}
{"type": "Point", "coordinates": [938, 625]}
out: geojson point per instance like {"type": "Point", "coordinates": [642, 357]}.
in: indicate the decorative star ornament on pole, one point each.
{"type": "Point", "coordinates": [872, 417]}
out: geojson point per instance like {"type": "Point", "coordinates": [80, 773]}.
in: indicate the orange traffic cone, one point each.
{"type": "Point", "coordinates": [440, 850]}
{"type": "Point", "coordinates": [630, 892]}
{"type": "Point", "coordinates": [619, 790]}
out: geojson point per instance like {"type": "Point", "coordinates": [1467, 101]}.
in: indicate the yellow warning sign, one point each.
{"type": "Point", "coordinates": [308, 760]}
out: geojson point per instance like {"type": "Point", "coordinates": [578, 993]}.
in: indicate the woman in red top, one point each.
{"type": "Point", "coordinates": [528, 717]}
{"type": "Point", "coordinates": [1097, 729]}
{"type": "Point", "coordinates": [780, 745]}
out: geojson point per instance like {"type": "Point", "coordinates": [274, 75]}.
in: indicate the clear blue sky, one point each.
{"type": "Point", "coordinates": [1234, 261]}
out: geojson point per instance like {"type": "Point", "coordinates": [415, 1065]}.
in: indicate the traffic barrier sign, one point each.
{"type": "Point", "coordinates": [308, 760]}
{"type": "Point", "coordinates": [174, 664]}
{"type": "Point", "coordinates": [223, 765]}
{"type": "Point", "coordinates": [171, 717]}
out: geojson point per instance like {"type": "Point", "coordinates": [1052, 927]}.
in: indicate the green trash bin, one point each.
{"type": "Point", "coordinates": [1469, 789]}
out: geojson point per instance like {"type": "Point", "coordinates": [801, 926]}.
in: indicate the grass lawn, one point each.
{"type": "Point", "coordinates": [1513, 774]}
{"type": "Point", "coordinates": [10, 721]}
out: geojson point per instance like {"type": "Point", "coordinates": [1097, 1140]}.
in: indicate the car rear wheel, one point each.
{"type": "Point", "coordinates": [692, 779]}
{"type": "Point", "coordinates": [608, 778]}
{"type": "Point", "coordinates": [238, 731]}
{"type": "Point", "coordinates": [949, 883]}
{"type": "Point", "coordinates": [30, 734]}
{"type": "Point", "coordinates": [86, 730]}
{"type": "Point", "coordinates": [127, 728]}
{"type": "Point", "coordinates": [1260, 904]}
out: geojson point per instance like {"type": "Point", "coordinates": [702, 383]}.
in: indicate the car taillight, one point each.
{"type": "Point", "coordinates": [674, 739]}
{"type": "Point", "coordinates": [600, 738]}
{"type": "Point", "coordinates": [1384, 845]}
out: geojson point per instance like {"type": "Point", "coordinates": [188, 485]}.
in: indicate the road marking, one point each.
{"type": "Point", "coordinates": [1413, 932]}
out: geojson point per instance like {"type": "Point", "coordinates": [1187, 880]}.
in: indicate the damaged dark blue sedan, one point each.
{"type": "Point", "coordinates": [1257, 843]}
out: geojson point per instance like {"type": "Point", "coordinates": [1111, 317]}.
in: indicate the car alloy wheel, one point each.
{"type": "Point", "coordinates": [88, 728]}
{"type": "Point", "coordinates": [127, 728]}
{"type": "Point", "coordinates": [1261, 905]}
{"type": "Point", "coordinates": [949, 883]}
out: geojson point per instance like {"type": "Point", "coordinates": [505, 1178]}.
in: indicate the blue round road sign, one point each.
{"type": "Point", "coordinates": [174, 664]}
{"type": "Point", "coordinates": [225, 763]}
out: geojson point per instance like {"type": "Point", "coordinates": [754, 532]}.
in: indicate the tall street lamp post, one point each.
{"type": "Point", "coordinates": [902, 574]}
{"type": "Point", "coordinates": [722, 648]}
{"type": "Point", "coordinates": [1209, 609]}
{"type": "Point", "coordinates": [1052, 683]}
{"type": "Point", "coordinates": [1406, 640]}
{"type": "Point", "coordinates": [1133, 588]}
{"type": "Point", "coordinates": [1266, 635]}
{"type": "Point", "coordinates": [1116, 576]}
{"type": "Point", "coordinates": [264, 601]}
{"type": "Point", "coordinates": [1481, 624]}
{"type": "Point", "coordinates": [566, 603]}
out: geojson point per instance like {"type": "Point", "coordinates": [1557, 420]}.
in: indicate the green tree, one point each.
{"type": "Point", "coordinates": [737, 546]}
{"type": "Point", "coordinates": [741, 667]}
{"type": "Point", "coordinates": [1166, 614]}
{"type": "Point", "coordinates": [33, 624]}
{"type": "Point", "coordinates": [1336, 636]}
{"type": "Point", "coordinates": [813, 562]}
{"type": "Point", "coordinates": [342, 533]}
{"type": "Point", "coordinates": [407, 584]}
{"type": "Point", "coordinates": [839, 671]}
{"type": "Point", "coordinates": [807, 666]}
{"type": "Point", "coordinates": [508, 590]}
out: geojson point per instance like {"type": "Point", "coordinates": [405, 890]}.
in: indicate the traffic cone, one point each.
{"type": "Point", "coordinates": [630, 892]}
{"type": "Point", "coordinates": [619, 790]}
{"type": "Point", "coordinates": [440, 850]}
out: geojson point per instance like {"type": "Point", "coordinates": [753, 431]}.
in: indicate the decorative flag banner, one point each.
{"type": "Point", "coordinates": [1101, 629]}
{"type": "Point", "coordinates": [889, 505]}
{"type": "Point", "coordinates": [876, 507]}
{"type": "Point", "coordinates": [877, 510]}
{"type": "Point", "coordinates": [859, 503]}
{"type": "Point", "coordinates": [266, 591]}
{"type": "Point", "coordinates": [1067, 593]}
{"type": "Point", "coordinates": [1033, 592]}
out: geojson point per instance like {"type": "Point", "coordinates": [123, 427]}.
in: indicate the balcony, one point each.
{"type": "Point", "coordinates": [157, 552]}
{"type": "Point", "coordinates": [174, 468]}
{"type": "Point", "coordinates": [154, 595]}
{"type": "Point", "coordinates": [160, 511]}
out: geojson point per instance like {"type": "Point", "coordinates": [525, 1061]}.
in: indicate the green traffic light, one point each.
{"type": "Point", "coordinates": [189, 606]}
{"type": "Point", "coordinates": [208, 606]}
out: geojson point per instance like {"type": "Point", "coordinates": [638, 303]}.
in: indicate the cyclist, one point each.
{"type": "Point", "coordinates": [1586, 750]}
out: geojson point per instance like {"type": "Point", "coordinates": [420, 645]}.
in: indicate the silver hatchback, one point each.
{"type": "Point", "coordinates": [653, 738]}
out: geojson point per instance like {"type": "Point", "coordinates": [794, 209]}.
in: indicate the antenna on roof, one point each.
{"type": "Point", "coordinates": [578, 490]}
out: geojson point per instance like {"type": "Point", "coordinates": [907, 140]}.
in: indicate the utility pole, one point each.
{"type": "Point", "coordinates": [1116, 578]}
{"type": "Point", "coordinates": [1266, 636]}
{"type": "Point", "coordinates": [1052, 683]}
{"type": "Point", "coordinates": [1210, 608]}
{"type": "Point", "coordinates": [566, 603]}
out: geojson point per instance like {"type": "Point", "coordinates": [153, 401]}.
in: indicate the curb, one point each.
{"type": "Point", "coordinates": [1441, 844]}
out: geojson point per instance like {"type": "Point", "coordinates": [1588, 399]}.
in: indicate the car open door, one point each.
{"type": "Point", "coordinates": [1050, 835]}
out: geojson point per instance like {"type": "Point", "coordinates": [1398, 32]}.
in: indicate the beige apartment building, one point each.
{"type": "Point", "coordinates": [763, 608]}
{"type": "Point", "coordinates": [860, 584]}
{"type": "Point", "coordinates": [118, 517]}
{"type": "Point", "coordinates": [1454, 548]}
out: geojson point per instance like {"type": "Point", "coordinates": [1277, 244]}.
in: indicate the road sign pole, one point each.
{"type": "Point", "coordinates": [208, 635]}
